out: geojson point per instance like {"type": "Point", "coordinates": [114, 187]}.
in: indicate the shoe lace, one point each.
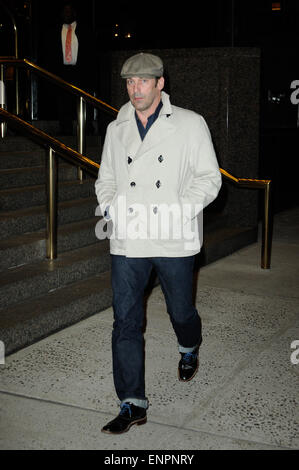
{"type": "Point", "coordinates": [187, 360]}
{"type": "Point", "coordinates": [189, 357]}
{"type": "Point", "coordinates": [125, 408]}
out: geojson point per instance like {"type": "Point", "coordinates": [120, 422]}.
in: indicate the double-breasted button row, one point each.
{"type": "Point", "coordinates": [160, 159]}
{"type": "Point", "coordinates": [158, 184]}
{"type": "Point", "coordinates": [131, 210]}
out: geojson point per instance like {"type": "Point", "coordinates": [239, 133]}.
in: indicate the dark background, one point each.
{"type": "Point", "coordinates": [129, 25]}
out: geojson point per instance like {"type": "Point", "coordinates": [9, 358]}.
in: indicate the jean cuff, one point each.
{"type": "Point", "coordinates": [182, 349]}
{"type": "Point", "coordinates": [136, 402]}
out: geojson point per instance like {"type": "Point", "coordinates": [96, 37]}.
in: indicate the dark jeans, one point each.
{"type": "Point", "coordinates": [129, 280]}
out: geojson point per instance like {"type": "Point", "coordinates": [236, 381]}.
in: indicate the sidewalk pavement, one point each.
{"type": "Point", "coordinates": [58, 393]}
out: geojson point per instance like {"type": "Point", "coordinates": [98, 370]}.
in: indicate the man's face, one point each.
{"type": "Point", "coordinates": [145, 93]}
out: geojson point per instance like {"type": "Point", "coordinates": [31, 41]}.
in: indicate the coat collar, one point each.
{"type": "Point", "coordinates": [126, 112]}
{"type": "Point", "coordinates": [127, 131]}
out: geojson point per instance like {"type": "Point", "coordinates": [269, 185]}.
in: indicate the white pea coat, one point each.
{"type": "Point", "coordinates": [156, 189]}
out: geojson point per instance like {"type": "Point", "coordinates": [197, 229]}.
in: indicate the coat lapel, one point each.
{"type": "Point", "coordinates": [128, 134]}
{"type": "Point", "coordinates": [159, 131]}
{"type": "Point", "coordinates": [127, 131]}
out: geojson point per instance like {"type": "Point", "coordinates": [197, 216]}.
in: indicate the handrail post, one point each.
{"type": "Point", "coordinates": [81, 128]}
{"type": "Point", "coordinates": [13, 20]}
{"type": "Point", "coordinates": [3, 125]}
{"type": "Point", "coordinates": [266, 228]}
{"type": "Point", "coordinates": [51, 197]}
{"type": "Point", "coordinates": [17, 91]}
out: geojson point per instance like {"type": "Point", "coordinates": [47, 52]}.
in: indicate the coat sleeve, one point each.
{"type": "Point", "coordinates": [105, 185]}
{"type": "Point", "coordinates": [205, 181]}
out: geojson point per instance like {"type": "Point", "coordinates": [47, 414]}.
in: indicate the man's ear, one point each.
{"type": "Point", "coordinates": [160, 84]}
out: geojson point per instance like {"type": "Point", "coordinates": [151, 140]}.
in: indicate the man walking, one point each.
{"type": "Point", "coordinates": [158, 172]}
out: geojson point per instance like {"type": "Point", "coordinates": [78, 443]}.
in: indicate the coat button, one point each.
{"type": "Point", "coordinates": [158, 183]}
{"type": "Point", "coordinates": [160, 159]}
{"type": "Point", "coordinates": [129, 160]}
{"type": "Point", "coordinates": [130, 210]}
{"type": "Point", "coordinates": [155, 210]}
{"type": "Point", "coordinates": [133, 184]}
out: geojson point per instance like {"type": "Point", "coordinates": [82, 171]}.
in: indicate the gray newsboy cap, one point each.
{"type": "Point", "coordinates": [142, 65]}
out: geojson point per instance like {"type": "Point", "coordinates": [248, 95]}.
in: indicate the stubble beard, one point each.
{"type": "Point", "coordinates": [143, 105]}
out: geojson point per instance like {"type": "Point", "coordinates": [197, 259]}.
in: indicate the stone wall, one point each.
{"type": "Point", "coordinates": [223, 85]}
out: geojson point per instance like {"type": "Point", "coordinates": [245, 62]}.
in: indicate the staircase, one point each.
{"type": "Point", "coordinates": [39, 296]}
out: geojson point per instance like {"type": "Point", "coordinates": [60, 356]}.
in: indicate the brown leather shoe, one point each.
{"type": "Point", "coordinates": [129, 415]}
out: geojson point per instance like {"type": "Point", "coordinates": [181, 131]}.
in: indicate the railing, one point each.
{"type": "Point", "coordinates": [53, 146]}
{"type": "Point", "coordinates": [16, 51]}
{"type": "Point", "coordinates": [267, 218]}
{"type": "Point", "coordinates": [82, 97]}
{"type": "Point", "coordinates": [14, 24]}
{"type": "Point", "coordinates": [82, 162]}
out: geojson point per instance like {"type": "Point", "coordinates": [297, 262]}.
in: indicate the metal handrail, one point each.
{"type": "Point", "coordinates": [266, 185]}
{"type": "Point", "coordinates": [59, 81]}
{"type": "Point", "coordinates": [86, 97]}
{"type": "Point", "coordinates": [82, 96]}
{"type": "Point", "coordinates": [13, 20]}
{"type": "Point", "coordinates": [53, 146]}
{"type": "Point", "coordinates": [16, 51]}
{"type": "Point", "coordinates": [42, 138]}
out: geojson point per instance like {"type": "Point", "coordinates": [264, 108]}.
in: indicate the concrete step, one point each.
{"type": "Point", "coordinates": [29, 196]}
{"type": "Point", "coordinates": [223, 241]}
{"type": "Point", "coordinates": [34, 279]}
{"type": "Point", "coordinates": [39, 296]}
{"type": "Point", "coordinates": [37, 156]}
{"type": "Point", "coordinates": [34, 319]}
{"type": "Point", "coordinates": [22, 158]}
{"type": "Point", "coordinates": [31, 219]}
{"type": "Point", "coordinates": [13, 143]}
{"type": "Point", "coordinates": [31, 247]}
{"type": "Point", "coordinates": [94, 129]}
{"type": "Point", "coordinates": [35, 175]}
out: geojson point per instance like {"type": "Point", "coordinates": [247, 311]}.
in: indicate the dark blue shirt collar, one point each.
{"type": "Point", "coordinates": [143, 130]}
